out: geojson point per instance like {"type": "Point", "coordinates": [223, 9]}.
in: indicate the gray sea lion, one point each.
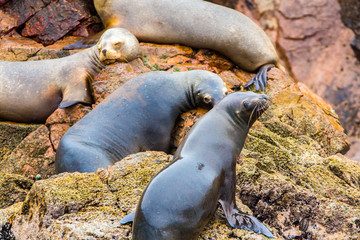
{"type": "Point", "coordinates": [181, 198]}
{"type": "Point", "coordinates": [30, 91]}
{"type": "Point", "coordinates": [138, 116]}
{"type": "Point", "coordinates": [194, 23]}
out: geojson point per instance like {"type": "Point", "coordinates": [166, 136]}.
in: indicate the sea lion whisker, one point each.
{"type": "Point", "coordinates": [252, 112]}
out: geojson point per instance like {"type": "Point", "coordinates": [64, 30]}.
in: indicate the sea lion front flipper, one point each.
{"type": "Point", "coordinates": [77, 92]}
{"type": "Point", "coordinates": [260, 78]}
{"type": "Point", "coordinates": [128, 218]}
{"type": "Point", "coordinates": [85, 42]}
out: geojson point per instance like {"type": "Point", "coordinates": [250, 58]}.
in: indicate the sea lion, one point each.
{"type": "Point", "coordinates": [194, 23]}
{"type": "Point", "coordinates": [181, 198]}
{"type": "Point", "coordinates": [30, 91]}
{"type": "Point", "coordinates": [138, 116]}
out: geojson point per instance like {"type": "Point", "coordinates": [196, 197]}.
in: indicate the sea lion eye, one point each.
{"type": "Point", "coordinates": [226, 93]}
{"type": "Point", "coordinates": [118, 44]}
{"type": "Point", "coordinates": [246, 104]}
{"type": "Point", "coordinates": [207, 99]}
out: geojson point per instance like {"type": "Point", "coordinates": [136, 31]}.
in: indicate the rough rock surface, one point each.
{"type": "Point", "coordinates": [350, 15]}
{"type": "Point", "coordinates": [48, 21]}
{"type": "Point", "coordinates": [14, 189]}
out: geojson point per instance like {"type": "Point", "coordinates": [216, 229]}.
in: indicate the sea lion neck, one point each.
{"type": "Point", "coordinates": [93, 60]}
{"type": "Point", "coordinates": [186, 86]}
{"type": "Point", "coordinates": [236, 128]}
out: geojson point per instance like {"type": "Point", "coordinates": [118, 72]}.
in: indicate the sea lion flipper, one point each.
{"type": "Point", "coordinates": [71, 103]}
{"type": "Point", "coordinates": [236, 219]}
{"type": "Point", "coordinates": [85, 42]}
{"type": "Point", "coordinates": [128, 218]}
{"type": "Point", "coordinates": [247, 222]}
{"type": "Point", "coordinates": [260, 78]}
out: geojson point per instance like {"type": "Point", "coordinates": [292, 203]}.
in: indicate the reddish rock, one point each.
{"type": "Point", "coordinates": [350, 16]}
{"type": "Point", "coordinates": [48, 21]}
{"type": "Point", "coordinates": [52, 23]}
{"type": "Point", "coordinates": [11, 134]}
{"type": "Point", "coordinates": [115, 75]}
{"type": "Point", "coordinates": [62, 119]}
{"type": "Point", "coordinates": [33, 156]}
{"type": "Point", "coordinates": [15, 13]}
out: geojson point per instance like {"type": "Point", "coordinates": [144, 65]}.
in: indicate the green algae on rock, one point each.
{"type": "Point", "coordinates": [14, 189]}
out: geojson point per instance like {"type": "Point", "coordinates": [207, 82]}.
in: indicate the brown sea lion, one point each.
{"type": "Point", "coordinates": [30, 91]}
{"type": "Point", "coordinates": [194, 23]}
{"type": "Point", "coordinates": [182, 197]}
{"type": "Point", "coordinates": [138, 116]}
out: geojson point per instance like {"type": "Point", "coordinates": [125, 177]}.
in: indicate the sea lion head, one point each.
{"type": "Point", "coordinates": [246, 107]}
{"type": "Point", "coordinates": [118, 44]}
{"type": "Point", "coordinates": [208, 88]}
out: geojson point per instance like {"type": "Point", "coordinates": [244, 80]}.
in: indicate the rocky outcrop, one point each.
{"type": "Point", "coordinates": [290, 175]}
{"type": "Point", "coordinates": [315, 47]}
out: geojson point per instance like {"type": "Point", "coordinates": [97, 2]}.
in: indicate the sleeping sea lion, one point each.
{"type": "Point", "coordinates": [194, 23]}
{"type": "Point", "coordinates": [182, 197]}
{"type": "Point", "coordinates": [30, 91]}
{"type": "Point", "coordinates": [138, 116]}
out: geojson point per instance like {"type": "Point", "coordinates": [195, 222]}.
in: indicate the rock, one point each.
{"type": "Point", "coordinates": [7, 213]}
{"type": "Point", "coordinates": [313, 197]}
{"type": "Point", "coordinates": [45, 25]}
{"type": "Point", "coordinates": [24, 49]}
{"type": "Point", "coordinates": [74, 205]}
{"type": "Point", "coordinates": [48, 21]}
{"type": "Point", "coordinates": [128, 178]}
{"type": "Point", "coordinates": [11, 134]}
{"type": "Point", "coordinates": [351, 18]}
{"type": "Point", "coordinates": [60, 195]}
{"type": "Point", "coordinates": [309, 51]}
{"type": "Point", "coordinates": [34, 155]}
{"type": "Point", "coordinates": [14, 189]}
{"type": "Point", "coordinates": [113, 76]}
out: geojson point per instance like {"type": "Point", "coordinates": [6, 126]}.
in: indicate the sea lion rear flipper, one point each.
{"type": "Point", "coordinates": [128, 218]}
{"type": "Point", "coordinates": [247, 222]}
{"type": "Point", "coordinates": [236, 219]}
{"type": "Point", "coordinates": [71, 103]}
{"type": "Point", "coordinates": [85, 42]}
{"type": "Point", "coordinates": [260, 78]}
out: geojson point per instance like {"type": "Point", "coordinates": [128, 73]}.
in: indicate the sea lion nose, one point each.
{"type": "Point", "coordinates": [104, 52]}
{"type": "Point", "coordinates": [263, 96]}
